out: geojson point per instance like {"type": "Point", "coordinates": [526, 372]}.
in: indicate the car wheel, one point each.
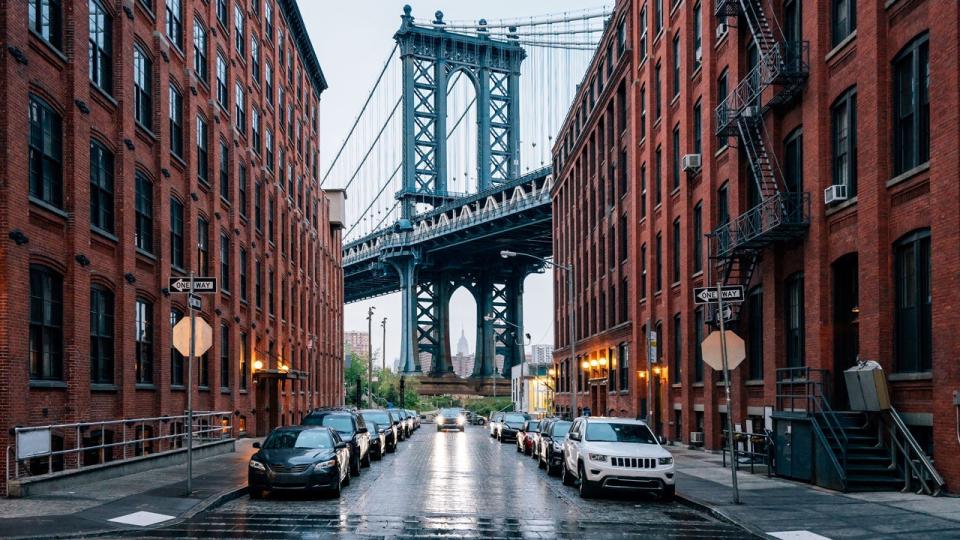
{"type": "Point", "coordinates": [256, 493]}
{"type": "Point", "coordinates": [587, 488]}
{"type": "Point", "coordinates": [392, 448]}
{"type": "Point", "coordinates": [668, 493]}
{"type": "Point", "coordinates": [379, 455]}
{"type": "Point", "coordinates": [461, 429]}
{"type": "Point", "coordinates": [540, 463]}
{"type": "Point", "coordinates": [565, 476]}
{"type": "Point", "coordinates": [365, 462]}
{"type": "Point", "coordinates": [355, 467]}
{"type": "Point", "coordinates": [519, 449]}
{"type": "Point", "coordinates": [336, 490]}
{"type": "Point", "coordinates": [346, 480]}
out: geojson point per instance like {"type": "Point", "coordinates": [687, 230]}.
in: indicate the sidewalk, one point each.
{"type": "Point", "coordinates": [132, 502]}
{"type": "Point", "coordinates": [781, 508]}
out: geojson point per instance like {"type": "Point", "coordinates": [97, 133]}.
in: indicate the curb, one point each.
{"type": "Point", "coordinates": [703, 506]}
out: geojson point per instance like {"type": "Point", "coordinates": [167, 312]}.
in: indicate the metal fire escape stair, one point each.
{"type": "Point", "coordinates": [776, 80]}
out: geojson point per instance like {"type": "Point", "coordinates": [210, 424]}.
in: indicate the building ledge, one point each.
{"type": "Point", "coordinates": [840, 46]}
{"type": "Point", "coordinates": [920, 376]}
{"type": "Point", "coordinates": [907, 175]}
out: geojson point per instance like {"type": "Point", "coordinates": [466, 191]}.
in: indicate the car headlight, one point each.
{"type": "Point", "coordinates": [460, 420]}
{"type": "Point", "coordinates": [325, 464]}
{"type": "Point", "coordinates": [257, 465]}
{"type": "Point", "coordinates": [440, 419]}
{"type": "Point", "coordinates": [597, 457]}
{"type": "Point", "coordinates": [665, 461]}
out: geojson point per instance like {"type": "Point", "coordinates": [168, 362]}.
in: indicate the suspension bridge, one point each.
{"type": "Point", "coordinates": [447, 164]}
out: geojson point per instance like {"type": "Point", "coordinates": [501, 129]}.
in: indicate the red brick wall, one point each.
{"type": "Point", "coordinates": [885, 208]}
{"type": "Point", "coordinates": [311, 328]}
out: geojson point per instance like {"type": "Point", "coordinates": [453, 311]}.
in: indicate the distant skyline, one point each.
{"type": "Point", "coordinates": [352, 39]}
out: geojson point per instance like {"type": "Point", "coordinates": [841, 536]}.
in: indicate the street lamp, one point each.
{"type": "Point", "coordinates": [571, 312]}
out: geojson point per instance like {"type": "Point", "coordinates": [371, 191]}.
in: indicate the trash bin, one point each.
{"type": "Point", "coordinates": [867, 387]}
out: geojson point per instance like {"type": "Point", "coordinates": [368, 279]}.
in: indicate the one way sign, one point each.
{"type": "Point", "coordinates": [200, 285]}
{"type": "Point", "coordinates": [707, 295]}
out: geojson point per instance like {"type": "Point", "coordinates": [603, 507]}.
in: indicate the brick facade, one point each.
{"type": "Point", "coordinates": [302, 253]}
{"type": "Point", "coordinates": [842, 316]}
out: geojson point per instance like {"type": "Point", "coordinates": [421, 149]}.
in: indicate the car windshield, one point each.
{"type": "Point", "coordinates": [532, 426]}
{"type": "Point", "coordinates": [514, 420]}
{"type": "Point", "coordinates": [377, 417]}
{"type": "Point", "coordinates": [627, 433]}
{"type": "Point", "coordinates": [311, 438]}
{"type": "Point", "coordinates": [449, 412]}
{"type": "Point", "coordinates": [400, 415]}
{"type": "Point", "coordinates": [560, 428]}
{"type": "Point", "coordinates": [339, 422]}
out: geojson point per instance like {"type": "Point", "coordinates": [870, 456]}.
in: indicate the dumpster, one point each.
{"type": "Point", "coordinates": [867, 387]}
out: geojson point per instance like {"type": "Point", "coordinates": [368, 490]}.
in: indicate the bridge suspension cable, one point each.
{"type": "Point", "coordinates": [586, 15]}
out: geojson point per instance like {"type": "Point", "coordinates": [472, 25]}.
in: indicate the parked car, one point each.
{"type": "Point", "coordinates": [380, 422]}
{"type": "Point", "coordinates": [414, 418]}
{"type": "Point", "coordinates": [406, 425]}
{"type": "Point", "coordinates": [299, 458]}
{"type": "Point", "coordinates": [616, 453]}
{"type": "Point", "coordinates": [351, 428]}
{"type": "Point", "coordinates": [526, 436]}
{"type": "Point", "coordinates": [450, 418]}
{"type": "Point", "coordinates": [550, 447]}
{"type": "Point", "coordinates": [494, 423]}
{"type": "Point", "coordinates": [510, 425]}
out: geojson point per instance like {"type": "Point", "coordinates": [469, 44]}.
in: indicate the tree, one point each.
{"type": "Point", "coordinates": [356, 370]}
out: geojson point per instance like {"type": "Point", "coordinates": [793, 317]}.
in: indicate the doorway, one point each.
{"type": "Point", "coordinates": [268, 404]}
{"type": "Point", "coordinates": [846, 330]}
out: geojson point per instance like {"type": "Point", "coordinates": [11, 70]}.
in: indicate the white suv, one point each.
{"type": "Point", "coordinates": [616, 453]}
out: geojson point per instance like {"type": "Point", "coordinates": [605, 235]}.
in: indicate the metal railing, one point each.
{"type": "Point", "coordinates": [758, 449]}
{"type": "Point", "coordinates": [62, 448]}
{"type": "Point", "coordinates": [782, 209]}
{"type": "Point", "coordinates": [913, 460]}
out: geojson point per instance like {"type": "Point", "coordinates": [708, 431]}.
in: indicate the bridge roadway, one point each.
{"type": "Point", "coordinates": [453, 485]}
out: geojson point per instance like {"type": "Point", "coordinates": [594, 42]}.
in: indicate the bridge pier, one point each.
{"type": "Point", "coordinates": [406, 266]}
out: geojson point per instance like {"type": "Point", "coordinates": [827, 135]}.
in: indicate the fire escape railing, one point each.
{"type": "Point", "coordinates": [755, 228]}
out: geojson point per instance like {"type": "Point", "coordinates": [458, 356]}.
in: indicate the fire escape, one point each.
{"type": "Point", "coordinates": [777, 79]}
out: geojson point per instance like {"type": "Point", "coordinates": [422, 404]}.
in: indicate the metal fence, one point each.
{"type": "Point", "coordinates": [61, 448]}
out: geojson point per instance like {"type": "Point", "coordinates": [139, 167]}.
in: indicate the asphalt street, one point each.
{"type": "Point", "coordinates": [453, 485]}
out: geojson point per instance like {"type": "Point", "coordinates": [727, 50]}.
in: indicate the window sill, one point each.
{"type": "Point", "coordinates": [839, 207]}
{"type": "Point", "coordinates": [50, 47]}
{"type": "Point", "coordinates": [243, 392]}
{"type": "Point", "coordinates": [141, 128]}
{"type": "Point", "coordinates": [203, 388]}
{"type": "Point", "coordinates": [147, 254]}
{"type": "Point", "coordinates": [103, 387]}
{"type": "Point", "coordinates": [919, 376]}
{"type": "Point", "coordinates": [697, 385]}
{"type": "Point", "coordinates": [224, 390]}
{"type": "Point", "coordinates": [721, 150]}
{"type": "Point", "coordinates": [839, 47]}
{"type": "Point", "coordinates": [105, 94]}
{"type": "Point", "coordinates": [697, 274]}
{"type": "Point", "coordinates": [145, 386]}
{"type": "Point", "coordinates": [177, 388]}
{"type": "Point", "coordinates": [48, 384]}
{"type": "Point", "coordinates": [48, 207]}
{"type": "Point", "coordinates": [754, 382]}
{"type": "Point", "coordinates": [105, 234]}
{"type": "Point", "coordinates": [178, 160]}
{"type": "Point", "coordinates": [676, 385]}
{"type": "Point", "coordinates": [908, 175]}
{"type": "Point", "coordinates": [721, 40]}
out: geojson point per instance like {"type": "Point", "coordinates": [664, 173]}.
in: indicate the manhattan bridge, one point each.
{"type": "Point", "coordinates": [447, 164]}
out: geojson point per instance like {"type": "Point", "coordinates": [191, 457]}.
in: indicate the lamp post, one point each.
{"type": "Point", "coordinates": [383, 351]}
{"type": "Point", "coordinates": [571, 313]}
{"type": "Point", "coordinates": [370, 356]}
{"type": "Point", "coordinates": [523, 356]}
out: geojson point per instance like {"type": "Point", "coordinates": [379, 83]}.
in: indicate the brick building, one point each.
{"type": "Point", "coordinates": [144, 139]}
{"type": "Point", "coordinates": [827, 188]}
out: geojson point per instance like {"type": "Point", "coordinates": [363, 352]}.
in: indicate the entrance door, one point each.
{"type": "Point", "coordinates": [268, 405]}
{"type": "Point", "coordinates": [846, 330]}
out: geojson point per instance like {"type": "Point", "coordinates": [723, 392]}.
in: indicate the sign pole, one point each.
{"type": "Point", "coordinates": [193, 344]}
{"type": "Point", "coordinates": [726, 380]}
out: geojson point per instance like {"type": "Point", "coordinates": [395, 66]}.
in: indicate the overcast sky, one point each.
{"type": "Point", "coordinates": [352, 38]}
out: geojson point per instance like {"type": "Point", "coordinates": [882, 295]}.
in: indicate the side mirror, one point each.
{"type": "Point", "coordinates": [341, 445]}
{"type": "Point", "coordinates": [256, 445]}
{"type": "Point", "coordinates": [362, 430]}
{"type": "Point", "coordinates": [662, 439]}
{"type": "Point", "coordinates": [574, 436]}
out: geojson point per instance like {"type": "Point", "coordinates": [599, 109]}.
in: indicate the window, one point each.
{"type": "Point", "coordinates": [642, 47]}
{"type": "Point", "coordinates": [258, 283]}
{"type": "Point", "coordinates": [723, 208]}
{"type": "Point", "coordinates": [658, 171]}
{"type": "Point", "coordinates": [792, 17]}
{"type": "Point", "coordinates": [843, 129]}
{"type": "Point", "coordinates": [844, 14]}
{"type": "Point", "coordinates": [721, 97]}
{"type": "Point", "coordinates": [238, 28]}
{"type": "Point", "coordinates": [643, 191]}
{"type": "Point", "coordinates": [45, 17]}
{"type": "Point", "coordinates": [643, 112]}
{"type": "Point", "coordinates": [676, 372]}
{"type": "Point", "coordinates": [676, 250]}
{"type": "Point", "coordinates": [223, 97]}
{"type": "Point", "coordinates": [203, 371]}
{"type": "Point", "coordinates": [224, 357]}
{"type": "Point", "coordinates": [676, 156]}
{"type": "Point", "coordinates": [658, 273]}
{"type": "Point", "coordinates": [101, 187]}
{"type": "Point", "coordinates": [621, 109]}
{"type": "Point", "coordinates": [175, 22]}
{"type": "Point", "coordinates": [255, 130]}
{"type": "Point", "coordinates": [222, 11]}
{"type": "Point", "coordinates": [697, 36]}
{"type": "Point", "coordinates": [200, 50]}
{"type": "Point", "coordinates": [176, 121]}
{"type": "Point", "coordinates": [658, 92]}
{"type": "Point", "coordinates": [100, 54]}
{"type": "Point", "coordinates": [243, 274]}
{"type": "Point", "coordinates": [142, 88]}
{"type": "Point", "coordinates": [271, 292]}
{"type": "Point", "coordinates": [698, 353]}
{"type": "Point", "coordinates": [911, 104]}
{"type": "Point", "coordinates": [144, 213]}
{"type": "Point", "coordinates": [244, 355]}
{"type": "Point", "coordinates": [913, 336]}
{"type": "Point", "coordinates": [143, 336]}
{"type": "Point", "coordinates": [268, 18]}
{"type": "Point", "coordinates": [258, 205]}
{"type": "Point", "coordinates": [698, 238]}
{"type": "Point", "coordinates": [793, 321]}
{"type": "Point", "coordinates": [203, 247]}
{"type": "Point", "coordinates": [176, 359]}
{"type": "Point", "coordinates": [224, 170]}
{"type": "Point", "coordinates": [657, 16]}
{"type": "Point", "coordinates": [176, 233]}
{"type": "Point", "coordinates": [755, 334]}
{"type": "Point", "coordinates": [621, 38]}
{"type": "Point", "coordinates": [268, 145]}
{"type": "Point", "coordinates": [270, 228]}
{"type": "Point", "coordinates": [46, 153]}
{"type": "Point", "coordinates": [698, 128]}
{"type": "Point", "coordinates": [623, 354]}
{"type": "Point", "coordinates": [268, 81]}
{"type": "Point", "coordinates": [224, 261]}
{"type": "Point", "coordinates": [254, 58]}
{"type": "Point", "coordinates": [676, 64]}
{"type": "Point", "coordinates": [242, 188]}
{"type": "Point", "coordinates": [624, 243]}
{"type": "Point", "coordinates": [241, 110]}
{"type": "Point", "coordinates": [793, 161]}
{"type": "Point", "coordinates": [101, 335]}
{"type": "Point", "coordinates": [46, 324]}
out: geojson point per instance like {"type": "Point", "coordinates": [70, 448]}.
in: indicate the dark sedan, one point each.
{"type": "Point", "coordinates": [406, 424]}
{"type": "Point", "coordinates": [550, 449]}
{"type": "Point", "coordinates": [450, 419]}
{"type": "Point", "coordinates": [351, 428]}
{"type": "Point", "coordinates": [512, 423]}
{"type": "Point", "coordinates": [299, 458]}
{"type": "Point", "coordinates": [385, 425]}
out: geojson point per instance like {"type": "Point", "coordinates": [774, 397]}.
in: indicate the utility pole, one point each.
{"type": "Point", "coordinates": [383, 351]}
{"type": "Point", "coordinates": [726, 381]}
{"type": "Point", "coordinates": [370, 356]}
{"type": "Point", "coordinates": [193, 345]}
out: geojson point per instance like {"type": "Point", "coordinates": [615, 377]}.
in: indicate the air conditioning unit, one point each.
{"type": "Point", "coordinates": [835, 193]}
{"type": "Point", "coordinates": [696, 438]}
{"type": "Point", "coordinates": [721, 30]}
{"type": "Point", "coordinates": [691, 163]}
{"type": "Point", "coordinates": [751, 111]}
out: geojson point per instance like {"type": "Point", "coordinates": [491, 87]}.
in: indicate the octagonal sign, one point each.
{"type": "Point", "coordinates": [181, 337]}
{"type": "Point", "coordinates": [712, 352]}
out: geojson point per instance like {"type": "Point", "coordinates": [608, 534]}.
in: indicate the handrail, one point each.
{"type": "Point", "coordinates": [912, 453]}
{"type": "Point", "coordinates": [780, 209]}
{"type": "Point", "coordinates": [841, 469]}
